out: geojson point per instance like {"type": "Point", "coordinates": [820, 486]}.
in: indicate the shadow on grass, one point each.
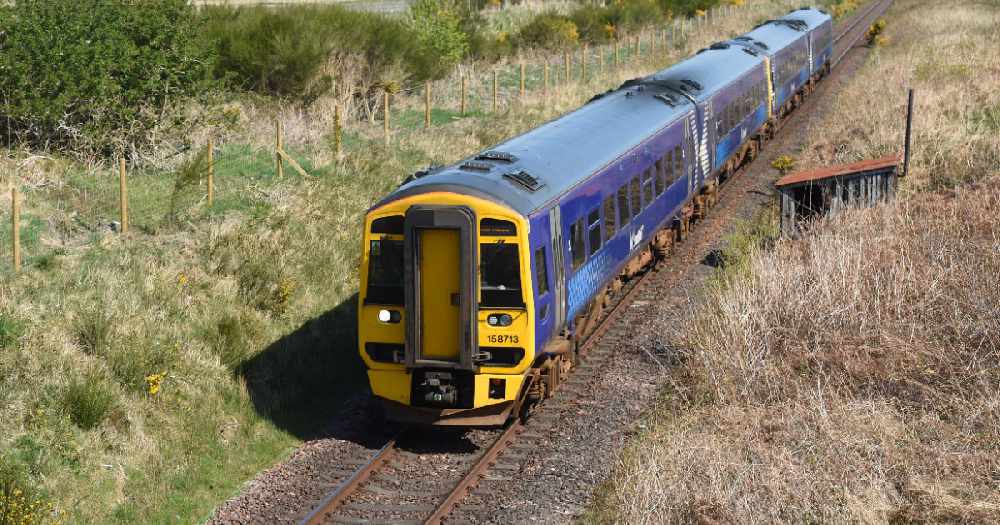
{"type": "Point", "coordinates": [304, 381]}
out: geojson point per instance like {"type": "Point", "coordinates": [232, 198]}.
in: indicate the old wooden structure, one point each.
{"type": "Point", "coordinates": [808, 194]}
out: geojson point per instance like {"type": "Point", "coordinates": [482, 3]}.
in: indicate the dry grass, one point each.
{"type": "Point", "coordinates": [853, 375]}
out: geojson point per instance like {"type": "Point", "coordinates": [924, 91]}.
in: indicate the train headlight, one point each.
{"type": "Point", "coordinates": [499, 319]}
{"type": "Point", "coordinates": [388, 316]}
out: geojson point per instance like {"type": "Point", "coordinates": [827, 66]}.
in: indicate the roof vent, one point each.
{"type": "Point", "coordinates": [750, 52]}
{"type": "Point", "coordinates": [475, 165]}
{"type": "Point", "coordinates": [670, 101]}
{"type": "Point", "coordinates": [524, 179]}
{"type": "Point", "coordinates": [500, 156]}
{"type": "Point", "coordinates": [719, 45]}
{"type": "Point", "coordinates": [691, 84]}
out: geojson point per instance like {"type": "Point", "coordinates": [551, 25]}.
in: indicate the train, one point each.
{"type": "Point", "coordinates": [480, 280]}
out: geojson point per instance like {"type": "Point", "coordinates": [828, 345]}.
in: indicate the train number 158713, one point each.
{"type": "Point", "coordinates": [502, 338]}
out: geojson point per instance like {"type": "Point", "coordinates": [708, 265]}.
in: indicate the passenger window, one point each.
{"type": "Point", "coordinates": [609, 217]}
{"type": "Point", "coordinates": [594, 221]}
{"type": "Point", "coordinates": [660, 178]}
{"type": "Point", "coordinates": [576, 247]}
{"type": "Point", "coordinates": [636, 197]}
{"type": "Point", "coordinates": [541, 272]}
{"type": "Point", "coordinates": [647, 186]}
{"type": "Point", "coordinates": [678, 163]}
{"type": "Point", "coordinates": [623, 213]}
{"type": "Point", "coordinates": [669, 160]}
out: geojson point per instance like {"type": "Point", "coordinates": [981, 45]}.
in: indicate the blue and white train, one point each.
{"type": "Point", "coordinates": [479, 279]}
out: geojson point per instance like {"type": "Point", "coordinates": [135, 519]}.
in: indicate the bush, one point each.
{"type": "Point", "coordinates": [549, 31]}
{"type": "Point", "coordinates": [88, 401]}
{"type": "Point", "coordinates": [94, 75]}
{"type": "Point", "coordinates": [19, 503]}
{"type": "Point", "coordinates": [436, 24]}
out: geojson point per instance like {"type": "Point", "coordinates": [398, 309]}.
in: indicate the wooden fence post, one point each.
{"type": "Point", "coordinates": [616, 53]}
{"type": "Point", "coordinates": [15, 223]}
{"type": "Point", "coordinates": [427, 105]}
{"type": "Point", "coordinates": [123, 193]}
{"type": "Point", "coordinates": [278, 148]}
{"type": "Point", "coordinates": [338, 132]}
{"type": "Point", "coordinates": [210, 160]}
{"type": "Point", "coordinates": [522, 79]}
{"type": "Point", "coordinates": [495, 89]}
{"type": "Point", "coordinates": [464, 92]}
{"type": "Point", "coordinates": [602, 60]}
{"type": "Point", "coordinates": [566, 63]}
{"type": "Point", "coordinates": [583, 63]}
{"type": "Point", "coordinates": [545, 79]}
{"type": "Point", "coordinates": [385, 116]}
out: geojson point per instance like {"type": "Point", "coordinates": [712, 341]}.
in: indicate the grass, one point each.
{"type": "Point", "coordinates": [246, 308]}
{"type": "Point", "coordinates": [851, 376]}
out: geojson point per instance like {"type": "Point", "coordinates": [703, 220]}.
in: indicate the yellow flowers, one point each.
{"type": "Point", "coordinates": [182, 279]}
{"type": "Point", "coordinates": [736, 2]}
{"type": "Point", "coordinates": [875, 36]}
{"type": "Point", "coordinates": [783, 163]}
{"type": "Point", "coordinates": [700, 12]}
{"type": "Point", "coordinates": [16, 509]}
{"type": "Point", "coordinates": [153, 383]}
{"type": "Point", "coordinates": [610, 30]}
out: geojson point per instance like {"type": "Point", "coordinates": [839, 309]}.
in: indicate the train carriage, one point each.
{"type": "Point", "coordinates": [478, 279]}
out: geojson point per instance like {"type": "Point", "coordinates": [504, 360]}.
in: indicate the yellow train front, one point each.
{"type": "Point", "coordinates": [444, 320]}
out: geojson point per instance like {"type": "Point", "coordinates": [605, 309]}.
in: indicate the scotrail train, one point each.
{"type": "Point", "coordinates": [479, 280]}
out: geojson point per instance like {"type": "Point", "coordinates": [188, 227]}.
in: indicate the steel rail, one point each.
{"type": "Point", "coordinates": [877, 4]}
{"type": "Point", "coordinates": [469, 481]}
{"type": "Point", "coordinates": [351, 485]}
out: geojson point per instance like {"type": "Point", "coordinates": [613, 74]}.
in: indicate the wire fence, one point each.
{"type": "Point", "coordinates": [215, 174]}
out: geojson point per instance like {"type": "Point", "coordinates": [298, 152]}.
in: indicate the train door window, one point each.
{"type": "Point", "coordinates": [500, 275]}
{"type": "Point", "coordinates": [541, 272]}
{"type": "Point", "coordinates": [578, 251]}
{"type": "Point", "coordinates": [635, 196]}
{"type": "Point", "coordinates": [661, 176]}
{"type": "Point", "coordinates": [623, 213]}
{"type": "Point", "coordinates": [594, 228]}
{"type": "Point", "coordinates": [647, 186]}
{"type": "Point", "coordinates": [609, 217]}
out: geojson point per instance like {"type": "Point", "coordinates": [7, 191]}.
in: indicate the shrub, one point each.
{"type": "Point", "coordinates": [232, 339]}
{"type": "Point", "coordinates": [436, 25]}
{"type": "Point", "coordinates": [88, 401]}
{"type": "Point", "coordinates": [93, 75]}
{"type": "Point", "coordinates": [93, 331]}
{"type": "Point", "coordinates": [19, 503]}
{"type": "Point", "coordinates": [549, 31]}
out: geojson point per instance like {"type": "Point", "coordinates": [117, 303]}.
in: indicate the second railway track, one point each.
{"type": "Point", "coordinates": [399, 484]}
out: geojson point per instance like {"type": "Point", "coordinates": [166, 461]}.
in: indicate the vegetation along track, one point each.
{"type": "Point", "coordinates": [399, 485]}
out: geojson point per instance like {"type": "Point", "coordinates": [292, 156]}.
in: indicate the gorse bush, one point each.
{"type": "Point", "coordinates": [437, 26]}
{"type": "Point", "coordinates": [93, 75]}
{"type": "Point", "coordinates": [549, 31]}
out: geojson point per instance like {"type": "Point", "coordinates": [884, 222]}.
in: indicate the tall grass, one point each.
{"type": "Point", "coordinates": [852, 375]}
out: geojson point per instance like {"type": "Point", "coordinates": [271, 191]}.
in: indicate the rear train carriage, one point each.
{"type": "Point", "coordinates": [479, 279]}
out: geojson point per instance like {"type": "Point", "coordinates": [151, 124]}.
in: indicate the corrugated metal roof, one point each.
{"type": "Point", "coordinates": [838, 170]}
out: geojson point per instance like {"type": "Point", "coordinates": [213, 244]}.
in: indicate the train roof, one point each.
{"type": "Point", "coordinates": [774, 35]}
{"type": "Point", "coordinates": [710, 70]}
{"type": "Point", "coordinates": [810, 15]}
{"type": "Point", "coordinates": [532, 169]}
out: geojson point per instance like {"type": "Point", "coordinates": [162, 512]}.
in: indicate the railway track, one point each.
{"type": "Point", "coordinates": [399, 485]}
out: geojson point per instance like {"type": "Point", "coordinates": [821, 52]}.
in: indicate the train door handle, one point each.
{"type": "Point", "coordinates": [456, 299]}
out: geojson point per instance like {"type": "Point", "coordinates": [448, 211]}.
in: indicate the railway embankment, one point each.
{"type": "Point", "coordinates": [852, 374]}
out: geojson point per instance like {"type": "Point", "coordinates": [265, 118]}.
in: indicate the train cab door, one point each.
{"type": "Point", "coordinates": [440, 286]}
{"type": "Point", "coordinates": [559, 270]}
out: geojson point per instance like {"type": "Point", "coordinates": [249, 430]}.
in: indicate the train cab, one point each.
{"type": "Point", "coordinates": [445, 308]}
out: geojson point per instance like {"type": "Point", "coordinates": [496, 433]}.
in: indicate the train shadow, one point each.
{"type": "Point", "coordinates": [311, 383]}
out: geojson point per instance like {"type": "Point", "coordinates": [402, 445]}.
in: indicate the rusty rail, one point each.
{"type": "Point", "coordinates": [469, 481]}
{"type": "Point", "coordinates": [880, 5]}
{"type": "Point", "coordinates": [348, 487]}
